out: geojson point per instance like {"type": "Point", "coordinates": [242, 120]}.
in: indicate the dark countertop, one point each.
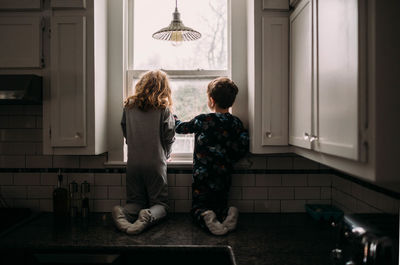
{"type": "Point", "coordinates": [277, 239]}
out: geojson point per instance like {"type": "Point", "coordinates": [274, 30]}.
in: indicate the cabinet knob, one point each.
{"type": "Point", "coordinates": [268, 134]}
{"type": "Point", "coordinates": [77, 135]}
{"type": "Point", "coordinates": [313, 138]}
{"type": "Point", "coordinates": [306, 136]}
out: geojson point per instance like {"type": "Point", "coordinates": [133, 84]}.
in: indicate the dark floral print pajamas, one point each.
{"type": "Point", "coordinates": [220, 141]}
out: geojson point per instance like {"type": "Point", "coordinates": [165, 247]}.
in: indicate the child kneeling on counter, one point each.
{"type": "Point", "coordinates": [148, 127]}
{"type": "Point", "coordinates": [220, 141]}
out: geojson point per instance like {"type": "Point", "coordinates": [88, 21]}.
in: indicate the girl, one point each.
{"type": "Point", "coordinates": [148, 127]}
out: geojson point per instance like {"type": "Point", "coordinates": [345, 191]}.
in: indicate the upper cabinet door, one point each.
{"type": "Point", "coordinates": [301, 77]}
{"type": "Point", "coordinates": [20, 4]}
{"type": "Point", "coordinates": [338, 78]}
{"type": "Point", "coordinates": [275, 39]}
{"type": "Point", "coordinates": [67, 4]}
{"type": "Point", "coordinates": [20, 45]}
{"type": "Point", "coordinates": [68, 81]}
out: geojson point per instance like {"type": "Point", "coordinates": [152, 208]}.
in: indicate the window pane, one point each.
{"type": "Point", "coordinates": [190, 99]}
{"type": "Point", "coordinates": [209, 17]}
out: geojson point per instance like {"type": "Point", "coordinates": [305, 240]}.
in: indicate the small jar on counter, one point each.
{"type": "Point", "coordinates": [85, 196]}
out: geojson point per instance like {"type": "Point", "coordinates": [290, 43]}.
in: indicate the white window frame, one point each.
{"type": "Point", "coordinates": [120, 71]}
{"type": "Point", "coordinates": [132, 73]}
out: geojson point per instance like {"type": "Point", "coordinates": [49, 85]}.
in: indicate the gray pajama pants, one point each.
{"type": "Point", "coordinates": [149, 136]}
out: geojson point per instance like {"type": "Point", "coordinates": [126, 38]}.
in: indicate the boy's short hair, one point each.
{"type": "Point", "coordinates": [223, 91]}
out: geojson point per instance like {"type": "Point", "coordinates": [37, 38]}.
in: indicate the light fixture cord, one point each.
{"type": "Point", "coordinates": [176, 4]}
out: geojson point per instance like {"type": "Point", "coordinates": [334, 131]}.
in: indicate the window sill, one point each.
{"type": "Point", "coordinates": [175, 164]}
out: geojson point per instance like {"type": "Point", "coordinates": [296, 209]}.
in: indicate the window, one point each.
{"type": "Point", "coordinates": [191, 65]}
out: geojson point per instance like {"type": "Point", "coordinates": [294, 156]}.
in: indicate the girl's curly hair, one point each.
{"type": "Point", "coordinates": [152, 91]}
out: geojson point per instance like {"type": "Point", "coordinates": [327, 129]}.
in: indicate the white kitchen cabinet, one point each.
{"type": "Point", "coordinates": [268, 55]}
{"type": "Point", "coordinates": [68, 81]}
{"type": "Point", "coordinates": [340, 79]}
{"type": "Point", "coordinates": [327, 78]}
{"type": "Point", "coordinates": [65, 4]}
{"type": "Point", "coordinates": [76, 110]}
{"type": "Point", "coordinates": [20, 4]}
{"type": "Point", "coordinates": [276, 4]}
{"type": "Point", "coordinates": [21, 39]}
{"type": "Point", "coordinates": [355, 89]}
{"type": "Point", "coordinates": [301, 75]}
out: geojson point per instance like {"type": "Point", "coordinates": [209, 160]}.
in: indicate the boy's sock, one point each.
{"type": "Point", "coordinates": [213, 224]}
{"type": "Point", "coordinates": [230, 221]}
{"type": "Point", "coordinates": [120, 218]}
{"type": "Point", "coordinates": [144, 220]}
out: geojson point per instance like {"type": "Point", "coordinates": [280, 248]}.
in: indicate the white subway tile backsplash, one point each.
{"type": "Point", "coordinates": [341, 184]}
{"type": "Point", "coordinates": [11, 110]}
{"type": "Point", "coordinates": [39, 161]}
{"type": "Point", "coordinates": [46, 205]}
{"type": "Point", "coordinates": [320, 180]}
{"type": "Point", "coordinates": [171, 179]}
{"type": "Point", "coordinates": [183, 180]}
{"type": "Point", "coordinates": [178, 193]}
{"type": "Point", "coordinates": [47, 178]}
{"type": "Point", "coordinates": [183, 206]}
{"type": "Point", "coordinates": [110, 179]}
{"type": "Point", "coordinates": [40, 192]}
{"type": "Point", "coordinates": [345, 200]}
{"type": "Point", "coordinates": [12, 161]}
{"type": "Point", "coordinates": [34, 205]}
{"type": "Point", "coordinates": [17, 148]}
{"type": "Point", "coordinates": [362, 207]}
{"type": "Point", "coordinates": [280, 163]}
{"type": "Point", "coordinates": [21, 135]}
{"type": "Point", "coordinates": [268, 180]}
{"type": "Point", "coordinates": [101, 192]}
{"type": "Point", "coordinates": [257, 193]}
{"type": "Point", "coordinates": [245, 206]}
{"type": "Point", "coordinates": [267, 206]}
{"type": "Point", "coordinates": [304, 163]}
{"type": "Point", "coordinates": [117, 192]}
{"type": "Point", "coordinates": [65, 161]}
{"type": "Point", "coordinates": [234, 194]}
{"type": "Point", "coordinates": [23, 122]}
{"type": "Point", "coordinates": [326, 202]}
{"type": "Point", "coordinates": [326, 193]}
{"type": "Point", "coordinates": [92, 161]}
{"type": "Point", "coordinates": [14, 192]}
{"type": "Point", "coordinates": [123, 179]}
{"type": "Point", "coordinates": [79, 178]}
{"type": "Point", "coordinates": [279, 193]}
{"type": "Point", "coordinates": [27, 178]}
{"type": "Point", "coordinates": [293, 206]}
{"type": "Point", "coordinates": [4, 122]}
{"type": "Point", "coordinates": [33, 110]}
{"type": "Point", "coordinates": [307, 193]}
{"type": "Point", "coordinates": [6, 178]}
{"type": "Point", "coordinates": [39, 122]}
{"type": "Point", "coordinates": [243, 179]}
{"type": "Point", "coordinates": [258, 162]}
{"type": "Point", "coordinates": [294, 180]}
{"type": "Point", "coordinates": [104, 205]}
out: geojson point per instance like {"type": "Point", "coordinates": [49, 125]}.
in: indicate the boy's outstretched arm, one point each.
{"type": "Point", "coordinates": [167, 131]}
{"type": "Point", "coordinates": [191, 126]}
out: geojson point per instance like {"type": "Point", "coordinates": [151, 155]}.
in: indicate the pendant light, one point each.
{"type": "Point", "coordinates": [176, 31]}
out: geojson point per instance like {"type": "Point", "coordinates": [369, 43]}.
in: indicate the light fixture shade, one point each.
{"type": "Point", "coordinates": [176, 31]}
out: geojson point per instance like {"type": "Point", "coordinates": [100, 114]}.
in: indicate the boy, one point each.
{"type": "Point", "coordinates": [220, 141]}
